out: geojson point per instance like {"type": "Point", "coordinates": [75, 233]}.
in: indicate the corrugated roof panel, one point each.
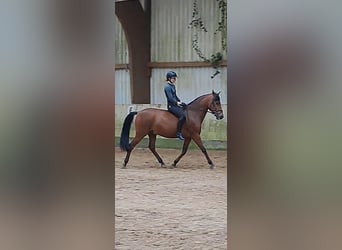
{"type": "Point", "coordinates": [171, 37]}
{"type": "Point", "coordinates": [122, 87]}
{"type": "Point", "coordinates": [121, 46]}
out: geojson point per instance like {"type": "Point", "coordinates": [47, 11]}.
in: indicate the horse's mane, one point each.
{"type": "Point", "coordinates": [216, 97]}
{"type": "Point", "coordinates": [200, 97]}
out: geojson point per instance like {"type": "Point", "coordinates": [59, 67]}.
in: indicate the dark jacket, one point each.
{"type": "Point", "coordinates": [171, 96]}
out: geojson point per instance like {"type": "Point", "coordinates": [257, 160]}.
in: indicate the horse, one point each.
{"type": "Point", "coordinates": [153, 122]}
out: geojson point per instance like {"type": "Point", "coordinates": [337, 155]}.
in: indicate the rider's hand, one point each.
{"type": "Point", "coordinates": [181, 104]}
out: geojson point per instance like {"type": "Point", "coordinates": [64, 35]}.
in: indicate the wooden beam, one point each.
{"type": "Point", "coordinates": [182, 64]}
{"type": "Point", "coordinates": [124, 0]}
{"type": "Point", "coordinates": [122, 66]}
{"type": "Point", "coordinates": [159, 65]}
{"type": "Point", "coordinates": [119, 66]}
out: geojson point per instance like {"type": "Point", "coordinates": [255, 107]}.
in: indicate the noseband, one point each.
{"type": "Point", "coordinates": [215, 112]}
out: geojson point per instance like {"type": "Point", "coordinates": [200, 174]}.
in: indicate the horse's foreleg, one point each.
{"type": "Point", "coordinates": [152, 147]}
{"type": "Point", "coordinates": [185, 148]}
{"type": "Point", "coordinates": [197, 139]}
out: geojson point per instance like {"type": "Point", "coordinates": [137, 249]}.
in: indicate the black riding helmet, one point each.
{"type": "Point", "coordinates": [170, 75]}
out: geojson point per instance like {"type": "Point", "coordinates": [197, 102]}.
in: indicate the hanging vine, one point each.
{"type": "Point", "coordinates": [197, 25]}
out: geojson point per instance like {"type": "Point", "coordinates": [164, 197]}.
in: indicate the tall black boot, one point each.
{"type": "Point", "coordinates": [179, 130]}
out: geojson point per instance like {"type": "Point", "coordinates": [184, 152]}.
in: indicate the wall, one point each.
{"type": "Point", "coordinates": [171, 42]}
{"type": "Point", "coordinates": [121, 46]}
{"type": "Point", "coordinates": [191, 83]}
{"type": "Point", "coordinates": [170, 35]}
{"type": "Point", "coordinates": [122, 77]}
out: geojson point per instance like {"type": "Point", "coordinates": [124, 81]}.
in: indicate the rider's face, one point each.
{"type": "Point", "coordinates": [173, 79]}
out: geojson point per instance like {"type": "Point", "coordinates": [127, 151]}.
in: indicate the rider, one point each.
{"type": "Point", "coordinates": [174, 105]}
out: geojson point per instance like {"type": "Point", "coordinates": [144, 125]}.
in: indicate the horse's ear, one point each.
{"type": "Point", "coordinates": [213, 92]}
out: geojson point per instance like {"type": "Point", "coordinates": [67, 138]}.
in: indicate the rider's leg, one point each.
{"type": "Point", "coordinates": [179, 127]}
{"type": "Point", "coordinates": [178, 112]}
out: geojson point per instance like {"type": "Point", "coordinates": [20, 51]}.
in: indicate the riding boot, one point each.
{"type": "Point", "coordinates": [180, 136]}
{"type": "Point", "coordinates": [179, 129]}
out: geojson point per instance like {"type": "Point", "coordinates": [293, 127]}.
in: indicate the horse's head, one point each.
{"type": "Point", "coordinates": [215, 106]}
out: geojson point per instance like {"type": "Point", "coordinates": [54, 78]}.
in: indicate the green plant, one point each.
{"type": "Point", "coordinates": [197, 25]}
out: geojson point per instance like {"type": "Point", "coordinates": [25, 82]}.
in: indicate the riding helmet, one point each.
{"type": "Point", "coordinates": [170, 74]}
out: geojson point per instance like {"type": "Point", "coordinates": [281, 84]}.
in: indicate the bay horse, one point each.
{"type": "Point", "coordinates": [153, 122]}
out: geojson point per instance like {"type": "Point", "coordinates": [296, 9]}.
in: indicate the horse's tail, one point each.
{"type": "Point", "coordinates": [124, 139]}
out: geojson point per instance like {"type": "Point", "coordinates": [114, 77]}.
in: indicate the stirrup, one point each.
{"type": "Point", "coordinates": [180, 136]}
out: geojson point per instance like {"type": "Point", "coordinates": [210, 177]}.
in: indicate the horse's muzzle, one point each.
{"type": "Point", "coordinates": [219, 116]}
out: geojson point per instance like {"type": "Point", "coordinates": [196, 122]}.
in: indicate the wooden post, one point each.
{"type": "Point", "coordinates": [136, 23]}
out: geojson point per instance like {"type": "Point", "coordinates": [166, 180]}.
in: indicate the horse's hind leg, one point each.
{"type": "Point", "coordinates": [128, 154]}
{"type": "Point", "coordinates": [185, 148]}
{"type": "Point", "coordinates": [152, 147]}
{"type": "Point", "coordinates": [133, 143]}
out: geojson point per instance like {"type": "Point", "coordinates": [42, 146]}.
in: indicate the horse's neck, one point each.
{"type": "Point", "coordinates": [198, 110]}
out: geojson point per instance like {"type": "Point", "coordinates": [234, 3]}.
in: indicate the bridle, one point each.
{"type": "Point", "coordinates": [215, 112]}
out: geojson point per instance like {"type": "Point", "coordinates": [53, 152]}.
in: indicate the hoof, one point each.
{"type": "Point", "coordinates": [162, 165]}
{"type": "Point", "coordinates": [211, 166]}
{"type": "Point", "coordinates": [123, 166]}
